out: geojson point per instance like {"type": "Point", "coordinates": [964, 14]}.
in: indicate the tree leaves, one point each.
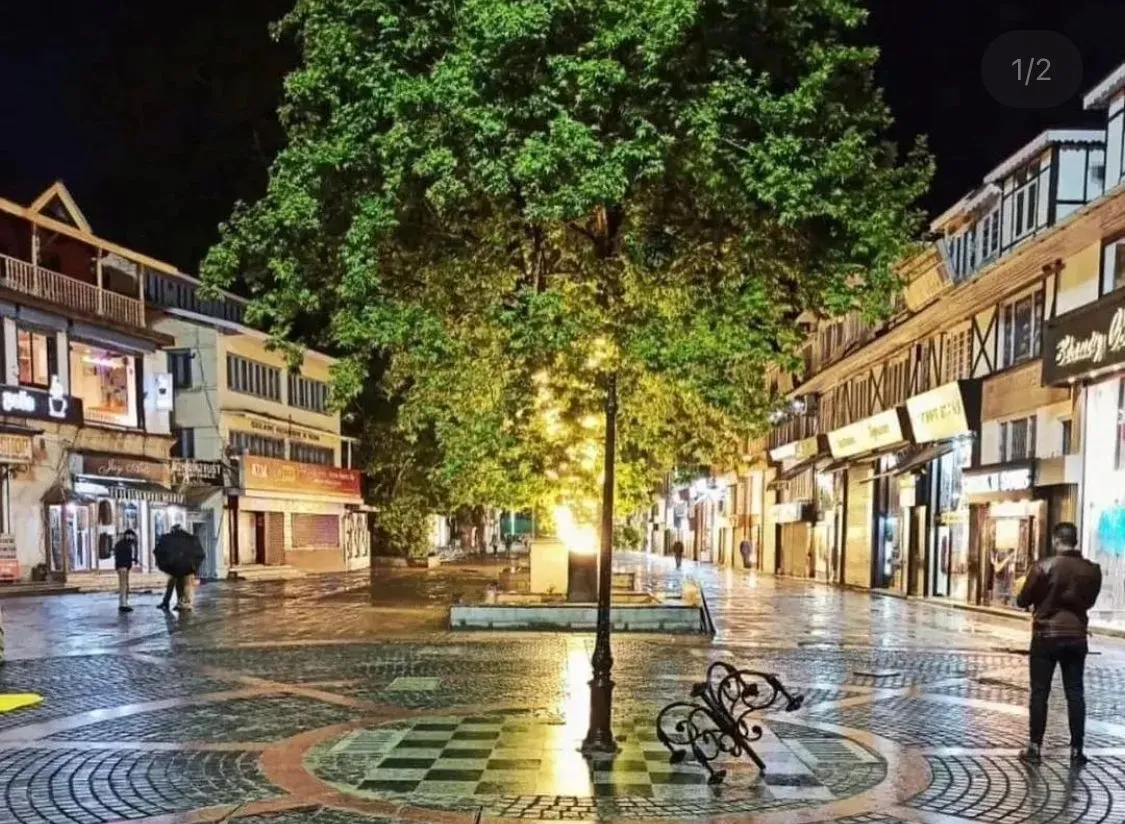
{"type": "Point", "coordinates": [475, 193]}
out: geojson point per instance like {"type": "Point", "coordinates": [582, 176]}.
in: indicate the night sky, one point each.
{"type": "Point", "coordinates": [157, 127]}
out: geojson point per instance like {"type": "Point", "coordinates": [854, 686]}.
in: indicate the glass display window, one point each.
{"type": "Point", "coordinates": [106, 383]}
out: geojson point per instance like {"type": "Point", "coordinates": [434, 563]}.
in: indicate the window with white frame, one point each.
{"type": "Point", "coordinates": [36, 355]}
{"type": "Point", "coordinates": [308, 454]}
{"type": "Point", "coordinates": [958, 361]}
{"type": "Point", "coordinates": [253, 378]}
{"type": "Point", "coordinates": [307, 393]}
{"type": "Point", "coordinates": [1025, 203]}
{"type": "Point", "coordinates": [989, 232]}
{"type": "Point", "coordinates": [106, 382]}
{"type": "Point", "coordinates": [1022, 329]}
{"type": "Point", "coordinates": [262, 446]}
{"type": "Point", "coordinates": [1115, 143]}
{"type": "Point", "coordinates": [1017, 439]}
{"type": "Point", "coordinates": [1113, 265]}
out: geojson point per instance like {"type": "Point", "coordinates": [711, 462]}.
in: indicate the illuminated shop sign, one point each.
{"type": "Point", "coordinates": [876, 432]}
{"type": "Point", "coordinates": [998, 480]}
{"type": "Point", "coordinates": [1085, 341]}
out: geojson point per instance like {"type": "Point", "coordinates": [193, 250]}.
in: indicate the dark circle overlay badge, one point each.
{"type": "Point", "coordinates": [1032, 69]}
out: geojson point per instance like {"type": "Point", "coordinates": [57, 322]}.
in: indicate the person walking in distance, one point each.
{"type": "Point", "coordinates": [678, 553]}
{"type": "Point", "coordinates": [124, 559]}
{"type": "Point", "coordinates": [1061, 590]}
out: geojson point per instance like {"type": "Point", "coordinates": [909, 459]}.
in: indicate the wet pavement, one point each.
{"type": "Point", "coordinates": [303, 701]}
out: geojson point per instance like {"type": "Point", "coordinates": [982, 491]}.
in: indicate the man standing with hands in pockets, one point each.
{"type": "Point", "coordinates": [1061, 590]}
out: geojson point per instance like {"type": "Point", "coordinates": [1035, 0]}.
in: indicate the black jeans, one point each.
{"type": "Point", "coordinates": [174, 583]}
{"type": "Point", "coordinates": [1070, 656]}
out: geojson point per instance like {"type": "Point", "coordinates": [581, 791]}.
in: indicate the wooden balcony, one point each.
{"type": "Point", "coordinates": [69, 293]}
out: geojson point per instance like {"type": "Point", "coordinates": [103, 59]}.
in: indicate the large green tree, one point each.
{"type": "Point", "coordinates": [515, 206]}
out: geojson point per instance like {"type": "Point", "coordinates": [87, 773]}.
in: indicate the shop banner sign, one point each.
{"type": "Point", "coordinates": [789, 513]}
{"type": "Point", "coordinates": [801, 450]}
{"type": "Point", "coordinates": [1087, 340]}
{"type": "Point", "coordinates": [939, 414]}
{"type": "Point", "coordinates": [876, 432]}
{"type": "Point", "coordinates": [271, 475]}
{"type": "Point", "coordinates": [41, 406]}
{"type": "Point", "coordinates": [15, 449]}
{"type": "Point", "coordinates": [282, 429]}
{"type": "Point", "coordinates": [125, 467]}
{"type": "Point", "coordinates": [9, 559]}
{"type": "Point", "coordinates": [997, 480]}
{"type": "Point", "coordinates": [187, 472]}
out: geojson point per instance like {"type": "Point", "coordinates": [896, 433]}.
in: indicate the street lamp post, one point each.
{"type": "Point", "coordinates": [599, 736]}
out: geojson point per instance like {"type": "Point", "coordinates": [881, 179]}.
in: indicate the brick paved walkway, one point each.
{"type": "Point", "coordinates": [303, 702]}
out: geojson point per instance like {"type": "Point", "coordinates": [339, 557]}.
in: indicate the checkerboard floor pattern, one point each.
{"type": "Point", "coordinates": [483, 759]}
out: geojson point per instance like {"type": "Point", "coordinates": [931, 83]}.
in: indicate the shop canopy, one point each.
{"type": "Point", "coordinates": [795, 470]}
{"type": "Point", "coordinates": [92, 487]}
{"type": "Point", "coordinates": [915, 461]}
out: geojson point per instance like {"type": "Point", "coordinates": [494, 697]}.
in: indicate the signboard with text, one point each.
{"type": "Point", "coordinates": [997, 480]}
{"type": "Point", "coordinates": [876, 432]}
{"type": "Point", "coordinates": [797, 450]}
{"type": "Point", "coordinates": [188, 472]}
{"type": "Point", "coordinates": [281, 429]}
{"type": "Point", "coordinates": [1085, 341]}
{"type": "Point", "coordinates": [939, 414]}
{"type": "Point", "coordinates": [9, 560]}
{"type": "Point", "coordinates": [125, 467]}
{"type": "Point", "coordinates": [789, 513]}
{"type": "Point", "coordinates": [271, 475]}
{"type": "Point", "coordinates": [41, 406]}
{"type": "Point", "coordinates": [15, 449]}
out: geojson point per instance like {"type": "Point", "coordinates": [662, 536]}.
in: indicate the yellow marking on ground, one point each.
{"type": "Point", "coordinates": [16, 701]}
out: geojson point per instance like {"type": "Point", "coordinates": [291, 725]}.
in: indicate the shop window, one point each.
{"type": "Point", "coordinates": [1067, 437]}
{"type": "Point", "coordinates": [306, 393]}
{"type": "Point", "coordinates": [1017, 440]}
{"type": "Point", "coordinates": [1113, 266]}
{"type": "Point", "coordinates": [106, 383]}
{"type": "Point", "coordinates": [253, 378]}
{"type": "Point", "coordinates": [309, 454]}
{"type": "Point", "coordinates": [958, 355]}
{"type": "Point", "coordinates": [1023, 329]}
{"type": "Point", "coordinates": [259, 445]}
{"type": "Point", "coordinates": [1119, 457]}
{"type": "Point", "coordinates": [179, 364]}
{"type": "Point", "coordinates": [184, 447]}
{"type": "Point", "coordinates": [37, 357]}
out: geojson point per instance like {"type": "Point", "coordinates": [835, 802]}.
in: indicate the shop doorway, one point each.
{"type": "Point", "coordinates": [1010, 547]}
{"type": "Point", "coordinates": [259, 537]}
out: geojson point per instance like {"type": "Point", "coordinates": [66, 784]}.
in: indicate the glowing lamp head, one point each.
{"type": "Point", "coordinates": [578, 538]}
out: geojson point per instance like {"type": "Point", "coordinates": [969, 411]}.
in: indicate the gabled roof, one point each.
{"type": "Point", "coordinates": [974, 200]}
{"type": "Point", "coordinates": [1032, 150]}
{"type": "Point", "coordinates": [56, 202]}
{"type": "Point", "coordinates": [1099, 96]}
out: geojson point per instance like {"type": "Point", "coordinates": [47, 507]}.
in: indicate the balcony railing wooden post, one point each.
{"type": "Point", "coordinates": [98, 270]}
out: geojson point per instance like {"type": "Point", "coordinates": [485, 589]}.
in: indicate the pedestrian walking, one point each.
{"type": "Point", "coordinates": [1061, 590]}
{"type": "Point", "coordinates": [678, 553]}
{"type": "Point", "coordinates": [180, 556]}
{"type": "Point", "coordinates": [744, 549]}
{"type": "Point", "coordinates": [124, 559]}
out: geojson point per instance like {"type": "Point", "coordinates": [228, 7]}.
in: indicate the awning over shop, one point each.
{"type": "Point", "coordinates": [90, 487]}
{"type": "Point", "coordinates": [922, 458]}
{"type": "Point", "coordinates": [793, 471]}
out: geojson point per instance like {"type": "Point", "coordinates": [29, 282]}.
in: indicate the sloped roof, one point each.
{"type": "Point", "coordinates": [57, 193]}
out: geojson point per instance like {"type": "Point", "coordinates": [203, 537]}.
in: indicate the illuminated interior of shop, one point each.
{"type": "Point", "coordinates": [105, 381]}
{"type": "Point", "coordinates": [94, 525]}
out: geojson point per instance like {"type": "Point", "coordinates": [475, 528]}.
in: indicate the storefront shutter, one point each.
{"type": "Point", "coordinates": [316, 531]}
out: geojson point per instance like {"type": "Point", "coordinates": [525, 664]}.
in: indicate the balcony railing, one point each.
{"type": "Point", "coordinates": [21, 276]}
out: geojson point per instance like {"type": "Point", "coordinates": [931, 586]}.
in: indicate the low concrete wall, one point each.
{"type": "Point", "coordinates": [674, 618]}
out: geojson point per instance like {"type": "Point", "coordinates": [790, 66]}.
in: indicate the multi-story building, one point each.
{"type": "Point", "coordinates": [293, 498]}
{"type": "Point", "coordinates": [932, 453]}
{"type": "Point", "coordinates": [84, 423]}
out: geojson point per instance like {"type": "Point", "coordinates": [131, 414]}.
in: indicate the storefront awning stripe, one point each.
{"type": "Point", "coordinates": [797, 468]}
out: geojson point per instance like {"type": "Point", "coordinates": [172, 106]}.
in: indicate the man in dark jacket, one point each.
{"type": "Point", "coordinates": [124, 559]}
{"type": "Point", "coordinates": [1061, 589]}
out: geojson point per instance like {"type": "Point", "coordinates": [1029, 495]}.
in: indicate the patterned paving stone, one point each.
{"type": "Point", "coordinates": [267, 718]}
{"type": "Point", "coordinates": [317, 815]}
{"type": "Point", "coordinates": [1000, 789]}
{"type": "Point", "coordinates": [48, 787]}
{"type": "Point", "coordinates": [77, 684]}
{"type": "Point", "coordinates": [525, 767]}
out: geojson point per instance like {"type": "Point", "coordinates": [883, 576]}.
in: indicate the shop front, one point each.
{"type": "Point", "coordinates": [794, 538]}
{"type": "Point", "coordinates": [203, 485]}
{"type": "Point", "coordinates": [870, 452]}
{"type": "Point", "coordinates": [108, 495]}
{"type": "Point", "coordinates": [1007, 531]}
{"type": "Point", "coordinates": [796, 510]}
{"type": "Point", "coordinates": [828, 530]}
{"type": "Point", "coordinates": [296, 514]}
{"type": "Point", "coordinates": [1086, 348]}
{"type": "Point", "coordinates": [943, 423]}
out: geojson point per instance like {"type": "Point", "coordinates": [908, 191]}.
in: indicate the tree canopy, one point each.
{"type": "Point", "coordinates": [498, 202]}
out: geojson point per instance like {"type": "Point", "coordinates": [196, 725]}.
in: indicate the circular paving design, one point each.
{"type": "Point", "coordinates": [516, 765]}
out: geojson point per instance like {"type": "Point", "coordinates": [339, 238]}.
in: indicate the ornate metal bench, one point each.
{"type": "Point", "coordinates": [717, 720]}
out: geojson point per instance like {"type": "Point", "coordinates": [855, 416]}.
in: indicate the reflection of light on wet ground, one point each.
{"type": "Point", "coordinates": [563, 770]}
